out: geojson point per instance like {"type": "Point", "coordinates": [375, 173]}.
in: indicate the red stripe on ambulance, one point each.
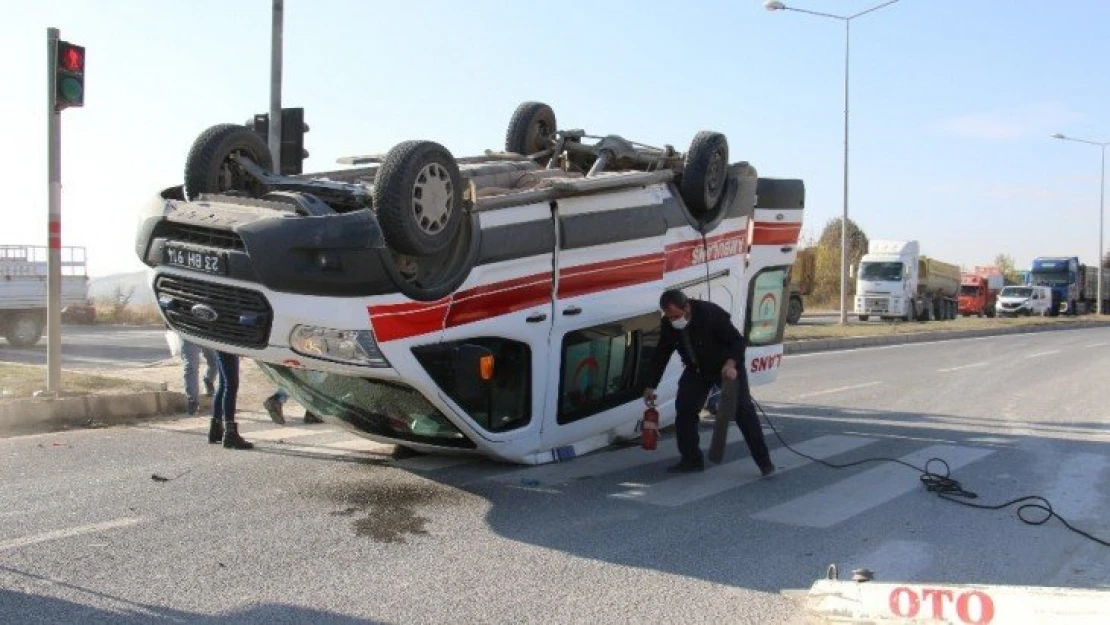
{"type": "Point", "coordinates": [767, 233]}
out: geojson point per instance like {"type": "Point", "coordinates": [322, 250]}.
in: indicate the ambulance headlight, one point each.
{"type": "Point", "coordinates": [356, 347]}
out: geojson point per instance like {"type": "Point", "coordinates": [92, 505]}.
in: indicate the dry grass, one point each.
{"type": "Point", "coordinates": [873, 328]}
{"type": "Point", "coordinates": [21, 381]}
{"type": "Point", "coordinates": [128, 315]}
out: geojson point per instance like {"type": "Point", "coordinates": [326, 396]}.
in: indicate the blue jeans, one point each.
{"type": "Point", "coordinates": [227, 392]}
{"type": "Point", "coordinates": [191, 354]}
{"type": "Point", "coordinates": [281, 395]}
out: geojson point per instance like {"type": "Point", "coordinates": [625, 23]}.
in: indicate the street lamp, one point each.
{"type": "Point", "coordinates": [1101, 197]}
{"type": "Point", "coordinates": [775, 5]}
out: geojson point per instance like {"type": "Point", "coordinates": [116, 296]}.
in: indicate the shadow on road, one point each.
{"type": "Point", "coordinates": [25, 607]}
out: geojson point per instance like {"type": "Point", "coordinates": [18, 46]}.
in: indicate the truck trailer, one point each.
{"type": "Point", "coordinates": [895, 281]}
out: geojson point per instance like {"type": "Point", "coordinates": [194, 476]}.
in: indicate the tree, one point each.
{"type": "Point", "coordinates": [826, 284]}
{"type": "Point", "coordinates": [1010, 274]}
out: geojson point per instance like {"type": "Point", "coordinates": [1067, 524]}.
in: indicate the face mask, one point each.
{"type": "Point", "coordinates": [680, 324]}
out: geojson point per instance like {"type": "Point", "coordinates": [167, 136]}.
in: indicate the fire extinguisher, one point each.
{"type": "Point", "coordinates": [649, 436]}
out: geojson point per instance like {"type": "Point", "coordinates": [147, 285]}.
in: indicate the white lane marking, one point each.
{"type": "Point", "coordinates": [590, 465]}
{"type": "Point", "coordinates": [855, 495]}
{"type": "Point", "coordinates": [1039, 354]}
{"type": "Point", "coordinates": [1096, 345]}
{"type": "Point", "coordinates": [691, 487]}
{"type": "Point", "coordinates": [91, 528]}
{"type": "Point", "coordinates": [961, 367]}
{"type": "Point", "coordinates": [362, 444]}
{"type": "Point", "coordinates": [860, 493]}
{"type": "Point", "coordinates": [1011, 337]}
{"type": "Point", "coordinates": [280, 433]}
{"type": "Point", "coordinates": [836, 390]}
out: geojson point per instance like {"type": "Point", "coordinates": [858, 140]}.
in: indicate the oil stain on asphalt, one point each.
{"type": "Point", "coordinates": [386, 511]}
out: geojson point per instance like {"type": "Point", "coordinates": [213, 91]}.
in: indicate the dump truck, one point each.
{"type": "Point", "coordinates": [895, 281]}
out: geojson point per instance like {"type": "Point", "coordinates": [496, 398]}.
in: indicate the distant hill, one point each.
{"type": "Point", "coordinates": [136, 282]}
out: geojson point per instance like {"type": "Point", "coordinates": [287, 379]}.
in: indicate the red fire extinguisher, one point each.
{"type": "Point", "coordinates": [649, 436]}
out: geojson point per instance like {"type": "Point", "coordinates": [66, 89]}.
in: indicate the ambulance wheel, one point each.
{"type": "Point", "coordinates": [418, 197]}
{"type": "Point", "coordinates": [705, 172]}
{"type": "Point", "coordinates": [210, 169]}
{"type": "Point", "coordinates": [864, 317]}
{"type": "Point", "coordinates": [531, 129]}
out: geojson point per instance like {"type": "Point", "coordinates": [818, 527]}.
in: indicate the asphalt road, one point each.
{"type": "Point", "coordinates": [94, 347]}
{"type": "Point", "coordinates": [319, 526]}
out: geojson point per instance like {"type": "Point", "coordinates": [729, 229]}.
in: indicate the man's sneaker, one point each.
{"type": "Point", "coordinates": [684, 466]}
{"type": "Point", "coordinates": [767, 470]}
{"type": "Point", "coordinates": [310, 418]}
{"type": "Point", "coordinates": [192, 406]}
{"type": "Point", "coordinates": [209, 387]}
{"type": "Point", "coordinates": [273, 406]}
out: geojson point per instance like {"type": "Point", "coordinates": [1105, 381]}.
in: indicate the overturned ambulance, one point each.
{"type": "Point", "coordinates": [503, 305]}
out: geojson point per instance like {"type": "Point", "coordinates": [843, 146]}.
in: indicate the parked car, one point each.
{"type": "Point", "coordinates": [1015, 301]}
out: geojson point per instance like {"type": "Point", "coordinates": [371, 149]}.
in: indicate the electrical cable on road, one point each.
{"type": "Point", "coordinates": [950, 489]}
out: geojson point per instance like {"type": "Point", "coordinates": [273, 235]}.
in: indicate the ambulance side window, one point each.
{"type": "Point", "coordinates": [603, 366]}
{"type": "Point", "coordinates": [766, 309]}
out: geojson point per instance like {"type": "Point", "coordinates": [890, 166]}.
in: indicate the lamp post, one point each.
{"type": "Point", "coordinates": [1101, 199]}
{"type": "Point", "coordinates": [775, 5]}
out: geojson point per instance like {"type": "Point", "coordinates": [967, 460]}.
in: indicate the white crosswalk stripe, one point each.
{"type": "Point", "coordinates": [846, 498]}
{"type": "Point", "coordinates": [691, 487]}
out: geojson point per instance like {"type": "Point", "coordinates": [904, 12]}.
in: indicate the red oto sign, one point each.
{"type": "Point", "coordinates": [969, 606]}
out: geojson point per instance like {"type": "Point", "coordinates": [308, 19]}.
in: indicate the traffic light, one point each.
{"type": "Point", "coordinates": [69, 76]}
{"type": "Point", "coordinates": [292, 138]}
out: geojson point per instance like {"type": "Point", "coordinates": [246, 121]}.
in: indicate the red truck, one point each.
{"type": "Point", "coordinates": [979, 290]}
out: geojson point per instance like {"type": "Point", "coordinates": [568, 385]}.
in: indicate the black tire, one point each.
{"type": "Point", "coordinates": [705, 172]}
{"type": "Point", "coordinates": [864, 317]}
{"type": "Point", "coordinates": [531, 129]}
{"type": "Point", "coordinates": [794, 311]}
{"type": "Point", "coordinates": [411, 222]}
{"type": "Point", "coordinates": [24, 330]}
{"type": "Point", "coordinates": [209, 170]}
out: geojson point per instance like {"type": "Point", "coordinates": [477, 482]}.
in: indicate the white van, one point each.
{"type": "Point", "coordinates": [1014, 301]}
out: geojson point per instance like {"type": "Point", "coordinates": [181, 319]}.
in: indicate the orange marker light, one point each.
{"type": "Point", "coordinates": [485, 364]}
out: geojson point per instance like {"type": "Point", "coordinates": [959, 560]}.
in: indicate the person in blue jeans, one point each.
{"type": "Point", "coordinates": [191, 354]}
{"type": "Point", "coordinates": [274, 404]}
{"type": "Point", "coordinates": [223, 426]}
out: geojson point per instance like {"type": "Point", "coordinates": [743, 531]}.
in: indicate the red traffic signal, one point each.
{"type": "Point", "coordinates": [69, 76]}
{"type": "Point", "coordinates": [71, 57]}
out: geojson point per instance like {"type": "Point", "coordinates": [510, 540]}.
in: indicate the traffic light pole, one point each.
{"type": "Point", "coordinates": [54, 222]}
{"type": "Point", "coordinates": [275, 84]}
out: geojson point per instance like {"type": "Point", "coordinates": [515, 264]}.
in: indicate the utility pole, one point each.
{"type": "Point", "coordinates": [275, 83]}
{"type": "Point", "coordinates": [54, 219]}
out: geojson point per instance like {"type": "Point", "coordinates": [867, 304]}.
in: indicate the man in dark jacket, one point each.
{"type": "Point", "coordinates": [710, 348]}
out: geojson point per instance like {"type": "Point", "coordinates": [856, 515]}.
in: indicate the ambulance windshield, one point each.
{"type": "Point", "coordinates": [387, 409]}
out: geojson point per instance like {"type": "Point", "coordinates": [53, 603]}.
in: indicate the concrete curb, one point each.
{"type": "Point", "coordinates": [38, 415]}
{"type": "Point", "coordinates": [856, 342]}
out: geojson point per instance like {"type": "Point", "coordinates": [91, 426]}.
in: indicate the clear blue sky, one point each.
{"type": "Point", "coordinates": [952, 101]}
